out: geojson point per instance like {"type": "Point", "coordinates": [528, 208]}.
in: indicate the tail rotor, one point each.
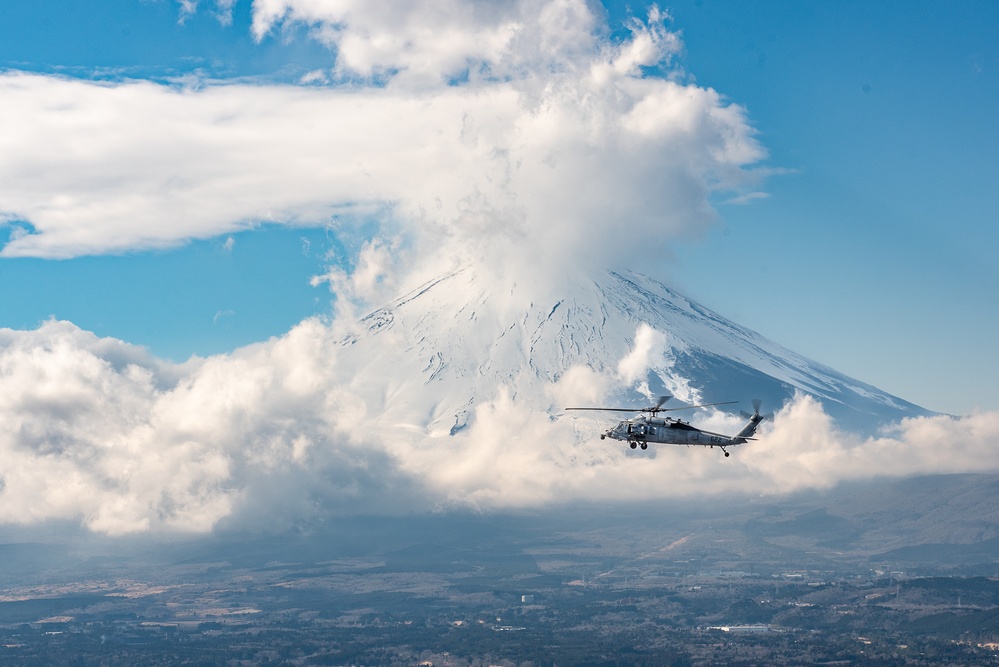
{"type": "Point", "coordinates": [756, 412]}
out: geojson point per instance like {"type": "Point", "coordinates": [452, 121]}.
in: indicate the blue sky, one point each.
{"type": "Point", "coordinates": [873, 250]}
{"type": "Point", "coordinates": [878, 255]}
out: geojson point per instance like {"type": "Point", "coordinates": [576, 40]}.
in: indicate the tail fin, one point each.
{"type": "Point", "coordinates": [749, 430]}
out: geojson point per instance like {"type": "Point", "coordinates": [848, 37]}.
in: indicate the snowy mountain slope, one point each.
{"type": "Point", "coordinates": [450, 343]}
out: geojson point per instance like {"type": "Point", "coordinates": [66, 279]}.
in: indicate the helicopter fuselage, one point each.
{"type": "Point", "coordinates": [650, 427]}
{"type": "Point", "coordinates": [640, 431]}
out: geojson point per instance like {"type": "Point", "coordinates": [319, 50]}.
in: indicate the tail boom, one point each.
{"type": "Point", "coordinates": [749, 430]}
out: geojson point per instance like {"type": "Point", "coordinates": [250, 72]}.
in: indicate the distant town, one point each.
{"type": "Point", "coordinates": [296, 618]}
{"type": "Point", "coordinates": [759, 584]}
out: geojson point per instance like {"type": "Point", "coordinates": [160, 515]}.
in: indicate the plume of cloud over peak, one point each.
{"type": "Point", "coordinates": [560, 156]}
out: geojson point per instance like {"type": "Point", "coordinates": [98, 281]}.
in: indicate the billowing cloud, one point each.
{"type": "Point", "coordinates": [806, 450]}
{"type": "Point", "coordinates": [285, 431]}
{"type": "Point", "coordinates": [441, 40]}
{"type": "Point", "coordinates": [97, 430]}
{"type": "Point", "coordinates": [650, 346]}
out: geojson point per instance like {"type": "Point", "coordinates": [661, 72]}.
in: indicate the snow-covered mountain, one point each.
{"type": "Point", "coordinates": [449, 344]}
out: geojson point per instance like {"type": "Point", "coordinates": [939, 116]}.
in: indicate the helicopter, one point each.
{"type": "Point", "coordinates": [648, 427]}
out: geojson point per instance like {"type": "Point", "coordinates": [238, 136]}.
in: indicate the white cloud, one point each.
{"type": "Point", "coordinates": [649, 351]}
{"type": "Point", "coordinates": [80, 438]}
{"type": "Point", "coordinates": [95, 430]}
{"type": "Point", "coordinates": [316, 76]}
{"type": "Point", "coordinates": [224, 11]}
{"type": "Point", "coordinates": [187, 9]}
{"type": "Point", "coordinates": [805, 449]}
{"type": "Point", "coordinates": [430, 43]}
{"type": "Point", "coordinates": [563, 155]}
{"type": "Point", "coordinates": [222, 314]}
{"type": "Point", "coordinates": [372, 279]}
{"type": "Point", "coordinates": [286, 431]}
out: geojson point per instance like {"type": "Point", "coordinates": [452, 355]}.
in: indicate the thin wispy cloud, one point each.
{"type": "Point", "coordinates": [221, 315]}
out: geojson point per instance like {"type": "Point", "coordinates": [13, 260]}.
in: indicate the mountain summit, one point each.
{"type": "Point", "coordinates": [449, 344]}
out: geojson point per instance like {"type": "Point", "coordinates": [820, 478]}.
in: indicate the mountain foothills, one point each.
{"type": "Point", "coordinates": [871, 573]}
{"type": "Point", "coordinates": [447, 344]}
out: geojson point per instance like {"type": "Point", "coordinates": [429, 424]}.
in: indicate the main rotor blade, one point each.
{"type": "Point", "coordinates": [655, 409]}
{"type": "Point", "coordinates": [611, 409]}
{"type": "Point", "coordinates": [691, 407]}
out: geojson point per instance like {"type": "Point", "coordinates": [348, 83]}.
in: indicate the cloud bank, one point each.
{"type": "Point", "coordinates": [282, 433]}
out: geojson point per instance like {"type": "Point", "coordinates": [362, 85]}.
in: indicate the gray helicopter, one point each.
{"type": "Point", "coordinates": [648, 427]}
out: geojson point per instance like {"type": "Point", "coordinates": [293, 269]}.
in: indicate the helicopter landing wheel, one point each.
{"type": "Point", "coordinates": [633, 444]}
{"type": "Point", "coordinates": [726, 453]}
{"type": "Point", "coordinates": [645, 445]}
